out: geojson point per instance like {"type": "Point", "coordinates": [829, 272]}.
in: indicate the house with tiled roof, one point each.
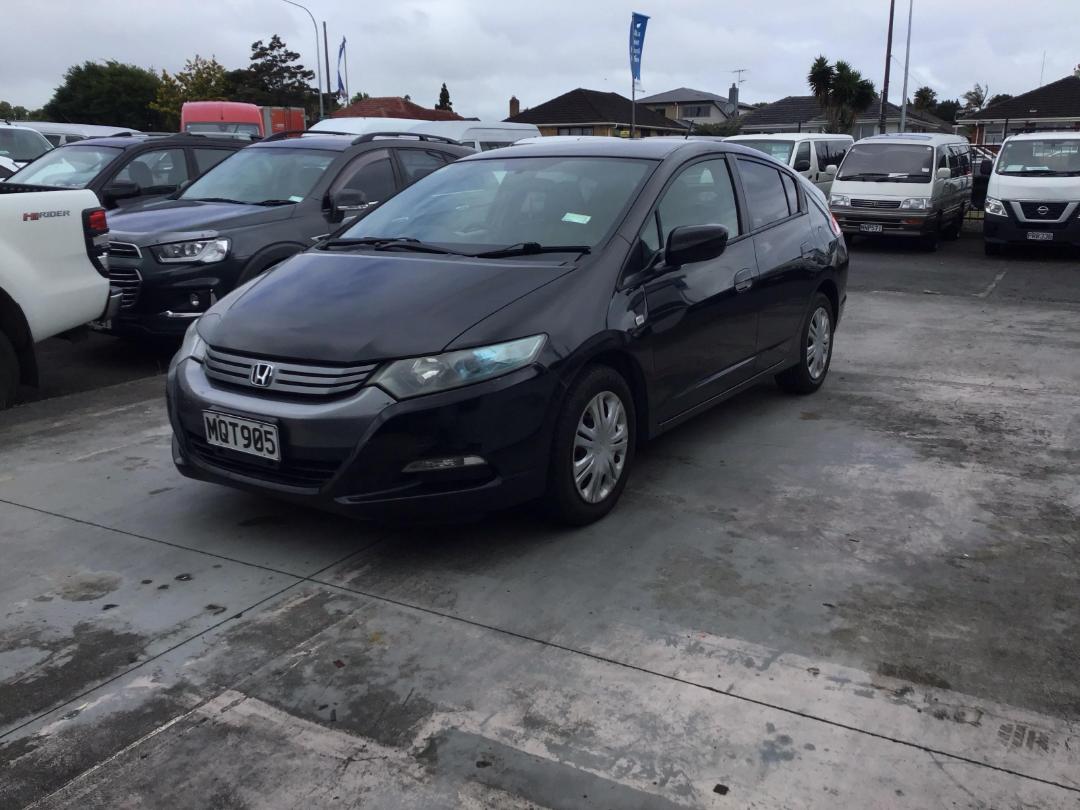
{"type": "Point", "coordinates": [804, 114]}
{"type": "Point", "coordinates": [592, 112]}
{"type": "Point", "coordinates": [394, 107]}
{"type": "Point", "coordinates": [1054, 106]}
{"type": "Point", "coordinates": [686, 105]}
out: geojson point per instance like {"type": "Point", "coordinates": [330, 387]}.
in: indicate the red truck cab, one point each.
{"type": "Point", "coordinates": [238, 119]}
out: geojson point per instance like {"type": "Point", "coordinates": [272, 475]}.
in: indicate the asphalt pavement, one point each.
{"type": "Point", "coordinates": [869, 597]}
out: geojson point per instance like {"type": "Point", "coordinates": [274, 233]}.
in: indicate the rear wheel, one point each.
{"type": "Point", "coordinates": [595, 438]}
{"type": "Point", "coordinates": [9, 372]}
{"type": "Point", "coordinates": [815, 353]}
{"type": "Point", "coordinates": [953, 231]}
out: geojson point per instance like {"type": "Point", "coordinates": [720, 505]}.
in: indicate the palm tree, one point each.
{"type": "Point", "coordinates": [925, 98]}
{"type": "Point", "coordinates": [841, 91]}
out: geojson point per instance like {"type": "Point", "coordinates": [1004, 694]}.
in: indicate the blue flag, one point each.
{"type": "Point", "coordinates": [340, 84]}
{"type": "Point", "coordinates": [637, 42]}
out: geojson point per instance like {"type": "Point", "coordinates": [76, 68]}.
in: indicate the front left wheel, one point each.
{"type": "Point", "coordinates": [9, 372]}
{"type": "Point", "coordinates": [595, 439]}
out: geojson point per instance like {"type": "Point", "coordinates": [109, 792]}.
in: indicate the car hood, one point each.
{"type": "Point", "coordinates": [360, 307]}
{"type": "Point", "coordinates": [168, 220]}
{"type": "Point", "coordinates": [1034, 188]}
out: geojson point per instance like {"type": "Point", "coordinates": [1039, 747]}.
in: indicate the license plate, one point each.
{"type": "Point", "coordinates": [870, 227]}
{"type": "Point", "coordinates": [1040, 236]}
{"type": "Point", "coordinates": [242, 435]}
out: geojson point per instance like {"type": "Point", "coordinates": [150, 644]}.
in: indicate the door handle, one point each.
{"type": "Point", "coordinates": [744, 280]}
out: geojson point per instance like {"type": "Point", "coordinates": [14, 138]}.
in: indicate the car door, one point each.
{"type": "Point", "coordinates": [156, 172]}
{"type": "Point", "coordinates": [780, 227]}
{"type": "Point", "coordinates": [702, 328]}
{"type": "Point", "coordinates": [823, 155]}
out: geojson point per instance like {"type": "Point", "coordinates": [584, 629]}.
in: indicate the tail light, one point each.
{"type": "Point", "coordinates": [96, 232]}
{"type": "Point", "coordinates": [834, 225]}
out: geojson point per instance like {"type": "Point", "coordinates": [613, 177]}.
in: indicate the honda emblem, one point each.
{"type": "Point", "coordinates": [262, 374]}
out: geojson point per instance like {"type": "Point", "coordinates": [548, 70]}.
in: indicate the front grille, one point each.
{"type": "Point", "coordinates": [1050, 210]}
{"type": "Point", "coordinates": [875, 203]}
{"type": "Point", "coordinates": [128, 281]}
{"type": "Point", "coordinates": [286, 377]}
{"type": "Point", "coordinates": [124, 250]}
{"type": "Point", "coordinates": [303, 473]}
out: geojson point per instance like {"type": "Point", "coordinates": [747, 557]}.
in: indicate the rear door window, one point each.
{"type": "Point", "coordinates": [765, 194]}
{"type": "Point", "coordinates": [156, 170]}
{"type": "Point", "coordinates": [791, 191]}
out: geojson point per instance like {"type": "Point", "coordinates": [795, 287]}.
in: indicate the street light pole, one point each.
{"type": "Point", "coordinates": [888, 59]}
{"type": "Point", "coordinates": [318, 63]}
{"type": "Point", "coordinates": [907, 64]}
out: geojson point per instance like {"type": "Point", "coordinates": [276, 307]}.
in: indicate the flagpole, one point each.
{"type": "Point", "coordinates": [348, 96]}
{"type": "Point", "coordinates": [633, 106]}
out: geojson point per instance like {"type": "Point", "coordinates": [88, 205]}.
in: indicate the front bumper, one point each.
{"type": "Point", "coordinates": [348, 454]}
{"type": "Point", "coordinates": [892, 222]}
{"type": "Point", "coordinates": [1003, 230]}
{"type": "Point", "coordinates": [157, 297]}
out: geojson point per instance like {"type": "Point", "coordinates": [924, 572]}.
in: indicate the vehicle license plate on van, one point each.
{"type": "Point", "coordinates": [1040, 236]}
{"type": "Point", "coordinates": [870, 227]}
{"type": "Point", "coordinates": [242, 435]}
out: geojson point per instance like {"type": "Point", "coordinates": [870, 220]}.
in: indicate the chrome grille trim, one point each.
{"type": "Point", "coordinates": [298, 379]}
{"type": "Point", "coordinates": [124, 250]}
{"type": "Point", "coordinates": [128, 281]}
{"type": "Point", "coordinates": [855, 203]}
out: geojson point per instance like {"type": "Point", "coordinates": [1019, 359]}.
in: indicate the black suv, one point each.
{"type": "Point", "coordinates": [273, 199]}
{"type": "Point", "coordinates": [128, 170]}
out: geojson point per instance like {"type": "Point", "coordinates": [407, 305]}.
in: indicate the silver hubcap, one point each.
{"type": "Point", "coordinates": [818, 343]}
{"type": "Point", "coordinates": [600, 447]}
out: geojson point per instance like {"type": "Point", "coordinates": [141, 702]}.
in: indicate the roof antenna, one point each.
{"type": "Point", "coordinates": [689, 129]}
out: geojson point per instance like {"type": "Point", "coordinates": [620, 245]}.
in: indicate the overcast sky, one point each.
{"type": "Point", "coordinates": [487, 51]}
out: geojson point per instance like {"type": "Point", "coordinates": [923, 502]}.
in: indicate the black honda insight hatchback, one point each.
{"type": "Point", "coordinates": [510, 327]}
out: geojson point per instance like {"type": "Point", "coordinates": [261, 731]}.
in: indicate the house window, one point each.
{"type": "Point", "coordinates": [575, 130]}
{"type": "Point", "coordinates": [695, 111]}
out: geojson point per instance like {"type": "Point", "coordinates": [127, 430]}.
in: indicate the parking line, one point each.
{"type": "Point", "coordinates": [993, 284]}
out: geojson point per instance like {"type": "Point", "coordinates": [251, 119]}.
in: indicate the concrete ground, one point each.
{"type": "Point", "coordinates": [865, 598]}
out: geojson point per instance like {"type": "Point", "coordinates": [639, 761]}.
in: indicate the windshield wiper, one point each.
{"type": "Point", "coordinates": [391, 243]}
{"type": "Point", "coordinates": [862, 176]}
{"type": "Point", "coordinates": [275, 202]}
{"type": "Point", "coordinates": [216, 199]}
{"type": "Point", "coordinates": [530, 248]}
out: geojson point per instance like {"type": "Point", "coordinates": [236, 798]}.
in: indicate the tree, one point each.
{"type": "Point", "coordinates": [274, 79]}
{"type": "Point", "coordinates": [361, 96]}
{"type": "Point", "coordinates": [998, 98]}
{"type": "Point", "coordinates": [200, 80]}
{"type": "Point", "coordinates": [109, 93]}
{"type": "Point", "coordinates": [947, 110]}
{"type": "Point", "coordinates": [925, 98]}
{"type": "Point", "coordinates": [444, 100]}
{"type": "Point", "coordinates": [975, 98]}
{"type": "Point", "coordinates": [723, 128]}
{"type": "Point", "coordinates": [841, 91]}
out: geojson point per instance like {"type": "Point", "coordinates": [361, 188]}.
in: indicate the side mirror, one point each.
{"type": "Point", "coordinates": [944, 173]}
{"type": "Point", "coordinates": [832, 168]}
{"type": "Point", "coordinates": [986, 167]}
{"type": "Point", "coordinates": [345, 201]}
{"type": "Point", "coordinates": [801, 165]}
{"type": "Point", "coordinates": [695, 243]}
{"type": "Point", "coordinates": [121, 190]}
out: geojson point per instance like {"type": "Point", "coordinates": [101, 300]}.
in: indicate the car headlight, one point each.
{"type": "Point", "coordinates": [196, 251]}
{"type": "Point", "coordinates": [426, 375]}
{"type": "Point", "coordinates": [193, 346]}
{"type": "Point", "coordinates": [916, 204]}
{"type": "Point", "coordinates": [840, 200]}
{"type": "Point", "coordinates": [994, 207]}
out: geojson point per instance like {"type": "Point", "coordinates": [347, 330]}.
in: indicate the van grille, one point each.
{"type": "Point", "coordinates": [287, 377]}
{"type": "Point", "coordinates": [1050, 210]}
{"type": "Point", "coordinates": [875, 203]}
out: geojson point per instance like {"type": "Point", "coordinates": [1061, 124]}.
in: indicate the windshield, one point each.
{"type": "Point", "coordinates": [259, 175]}
{"type": "Point", "coordinates": [224, 128]}
{"type": "Point", "coordinates": [888, 162]}
{"type": "Point", "coordinates": [69, 166]}
{"type": "Point", "coordinates": [493, 204]}
{"type": "Point", "coordinates": [1055, 157]}
{"type": "Point", "coordinates": [781, 150]}
{"type": "Point", "coordinates": [22, 145]}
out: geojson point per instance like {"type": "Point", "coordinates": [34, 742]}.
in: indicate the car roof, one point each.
{"type": "Point", "coordinates": [141, 139]}
{"type": "Point", "coordinates": [339, 142]}
{"type": "Point", "coordinates": [791, 136]}
{"type": "Point", "coordinates": [89, 130]}
{"type": "Point", "coordinates": [603, 146]}
{"type": "Point", "coordinates": [1071, 135]}
{"type": "Point", "coordinates": [923, 138]}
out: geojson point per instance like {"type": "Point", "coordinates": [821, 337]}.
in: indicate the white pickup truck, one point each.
{"type": "Point", "coordinates": [53, 273]}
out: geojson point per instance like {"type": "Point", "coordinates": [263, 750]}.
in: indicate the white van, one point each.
{"type": "Point", "coordinates": [478, 135]}
{"type": "Point", "coordinates": [1034, 191]}
{"type": "Point", "coordinates": [808, 153]}
{"type": "Point", "coordinates": [18, 146]}
{"type": "Point", "coordinates": [60, 134]}
{"type": "Point", "coordinates": [904, 184]}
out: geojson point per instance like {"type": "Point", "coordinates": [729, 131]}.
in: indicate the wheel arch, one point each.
{"type": "Point", "coordinates": [630, 369]}
{"type": "Point", "coordinates": [829, 289]}
{"type": "Point", "coordinates": [264, 257]}
{"type": "Point", "coordinates": [14, 325]}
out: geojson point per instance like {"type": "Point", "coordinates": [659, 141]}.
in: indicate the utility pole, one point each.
{"type": "Point", "coordinates": [907, 64]}
{"type": "Point", "coordinates": [326, 53]}
{"type": "Point", "coordinates": [888, 59]}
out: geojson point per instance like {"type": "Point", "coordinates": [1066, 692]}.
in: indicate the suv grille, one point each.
{"type": "Point", "coordinates": [123, 250]}
{"type": "Point", "coordinates": [286, 377]}
{"type": "Point", "coordinates": [1052, 210]}
{"type": "Point", "coordinates": [875, 203]}
{"type": "Point", "coordinates": [128, 281]}
{"type": "Point", "coordinates": [305, 473]}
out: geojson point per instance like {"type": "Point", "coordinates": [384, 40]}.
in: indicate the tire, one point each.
{"type": "Point", "coordinates": [595, 392]}
{"type": "Point", "coordinates": [9, 372]}
{"type": "Point", "coordinates": [992, 248]}
{"type": "Point", "coordinates": [952, 233]}
{"type": "Point", "coordinates": [929, 241]}
{"type": "Point", "coordinates": [806, 377]}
